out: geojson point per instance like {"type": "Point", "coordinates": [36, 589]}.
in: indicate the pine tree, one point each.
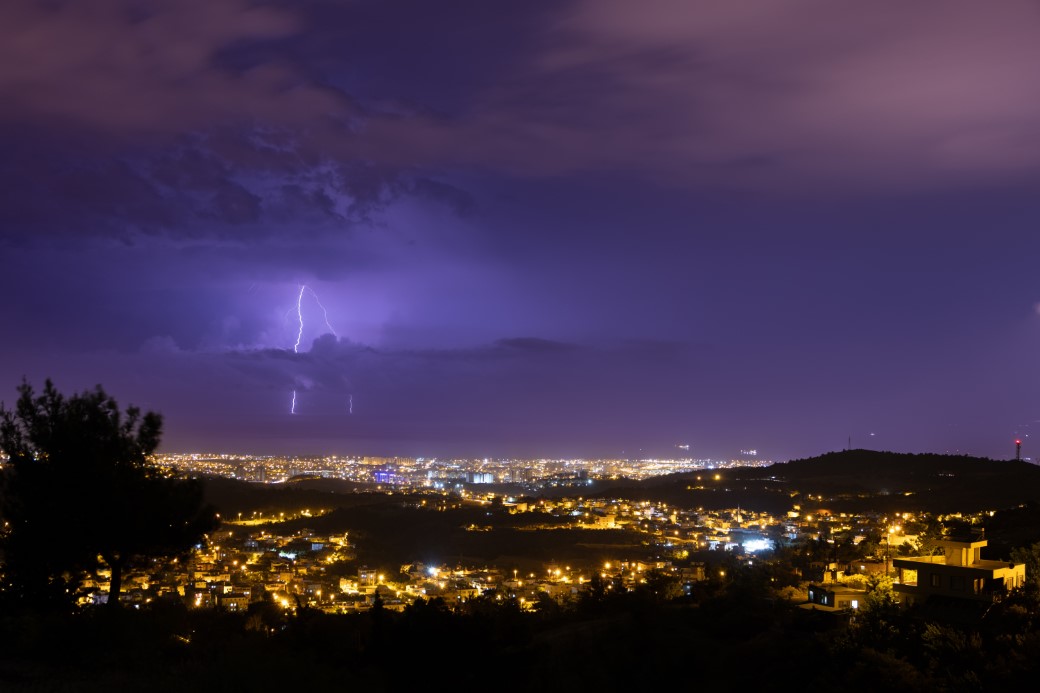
{"type": "Point", "coordinates": [80, 491]}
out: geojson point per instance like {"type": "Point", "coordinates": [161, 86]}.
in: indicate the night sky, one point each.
{"type": "Point", "coordinates": [567, 228]}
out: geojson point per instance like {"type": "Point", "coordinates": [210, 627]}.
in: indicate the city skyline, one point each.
{"type": "Point", "coordinates": [580, 229]}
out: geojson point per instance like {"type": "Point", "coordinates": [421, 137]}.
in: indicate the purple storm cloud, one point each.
{"type": "Point", "coordinates": [551, 228]}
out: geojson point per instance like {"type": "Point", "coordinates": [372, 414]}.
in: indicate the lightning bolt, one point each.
{"type": "Point", "coordinates": [299, 337]}
{"type": "Point", "coordinates": [299, 333]}
{"type": "Point", "coordinates": [299, 317]}
{"type": "Point", "coordinates": [324, 312]}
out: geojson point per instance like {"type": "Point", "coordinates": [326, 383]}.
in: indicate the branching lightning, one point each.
{"type": "Point", "coordinates": [325, 313]}
{"type": "Point", "coordinates": [299, 334]}
{"type": "Point", "coordinates": [299, 317]}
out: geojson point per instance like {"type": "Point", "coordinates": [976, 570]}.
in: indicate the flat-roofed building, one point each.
{"type": "Point", "coordinates": [834, 597]}
{"type": "Point", "coordinates": [961, 573]}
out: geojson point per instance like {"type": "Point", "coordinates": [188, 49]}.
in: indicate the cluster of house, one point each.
{"type": "Point", "coordinates": [953, 572]}
{"type": "Point", "coordinates": [670, 527]}
{"type": "Point", "coordinates": [957, 579]}
{"type": "Point", "coordinates": [246, 562]}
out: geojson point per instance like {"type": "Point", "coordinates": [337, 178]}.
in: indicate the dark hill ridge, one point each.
{"type": "Point", "coordinates": [893, 472]}
{"type": "Point", "coordinates": [853, 481]}
{"type": "Point", "coordinates": [898, 466]}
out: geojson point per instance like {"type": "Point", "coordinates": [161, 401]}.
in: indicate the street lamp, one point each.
{"type": "Point", "coordinates": [888, 548]}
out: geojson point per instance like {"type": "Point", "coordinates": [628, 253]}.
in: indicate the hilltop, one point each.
{"type": "Point", "coordinates": [852, 481]}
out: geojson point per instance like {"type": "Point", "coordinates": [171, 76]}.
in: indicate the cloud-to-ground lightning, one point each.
{"type": "Point", "coordinates": [299, 315]}
{"type": "Point", "coordinates": [299, 334]}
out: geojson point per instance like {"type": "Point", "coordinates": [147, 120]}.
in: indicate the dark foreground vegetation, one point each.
{"type": "Point", "coordinates": [731, 635]}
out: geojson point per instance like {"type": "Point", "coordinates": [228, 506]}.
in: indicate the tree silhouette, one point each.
{"type": "Point", "coordinates": [80, 491]}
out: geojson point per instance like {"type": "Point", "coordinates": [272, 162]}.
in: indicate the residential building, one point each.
{"type": "Point", "coordinates": [961, 573]}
